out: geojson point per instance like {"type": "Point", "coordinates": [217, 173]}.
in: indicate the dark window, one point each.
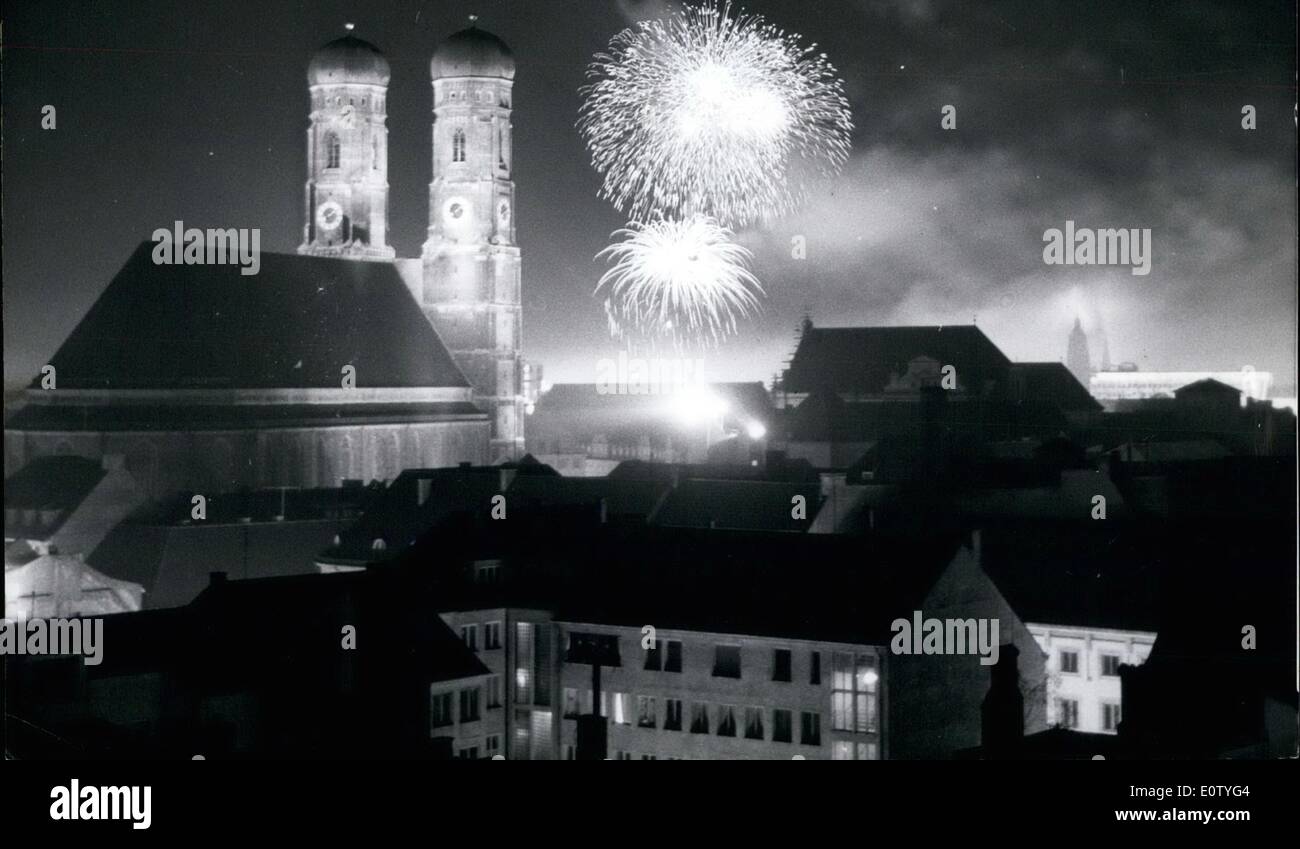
{"type": "Point", "coordinates": [754, 723]}
{"type": "Point", "coordinates": [672, 714]}
{"type": "Point", "coordinates": [654, 657]}
{"type": "Point", "coordinates": [699, 718]}
{"type": "Point", "coordinates": [1067, 713]}
{"type": "Point", "coordinates": [1109, 665]}
{"type": "Point", "coordinates": [781, 665]}
{"type": "Point", "coordinates": [726, 721]}
{"type": "Point", "coordinates": [469, 705]}
{"type": "Point", "coordinates": [815, 676]}
{"type": "Point", "coordinates": [673, 662]}
{"type": "Point", "coordinates": [458, 146]}
{"type": "Point", "coordinates": [782, 726]}
{"type": "Point", "coordinates": [1070, 661]}
{"type": "Point", "coordinates": [810, 728]}
{"type": "Point", "coordinates": [440, 711]}
{"type": "Point", "coordinates": [726, 662]}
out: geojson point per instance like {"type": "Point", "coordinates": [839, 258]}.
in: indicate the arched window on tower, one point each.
{"type": "Point", "coordinates": [331, 150]}
{"type": "Point", "coordinates": [458, 146]}
{"type": "Point", "coordinates": [374, 153]}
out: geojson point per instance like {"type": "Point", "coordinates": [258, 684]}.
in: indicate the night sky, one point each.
{"type": "Point", "coordinates": [1113, 114]}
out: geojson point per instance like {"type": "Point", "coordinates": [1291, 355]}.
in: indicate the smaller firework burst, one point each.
{"type": "Point", "coordinates": [685, 281]}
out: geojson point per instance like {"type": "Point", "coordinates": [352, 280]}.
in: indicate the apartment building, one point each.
{"type": "Point", "coordinates": [1083, 683]}
{"type": "Point", "coordinates": [697, 695]}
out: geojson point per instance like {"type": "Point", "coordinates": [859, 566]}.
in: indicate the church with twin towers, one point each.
{"type": "Point", "coordinates": [341, 361]}
{"type": "Point", "coordinates": [467, 278]}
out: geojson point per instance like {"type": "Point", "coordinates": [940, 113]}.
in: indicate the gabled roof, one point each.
{"type": "Point", "coordinates": [294, 324]}
{"type": "Point", "coordinates": [861, 360]}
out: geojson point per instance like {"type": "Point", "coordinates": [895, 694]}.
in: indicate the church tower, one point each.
{"type": "Point", "coordinates": [1077, 358]}
{"type": "Point", "coordinates": [471, 281]}
{"type": "Point", "coordinates": [347, 153]}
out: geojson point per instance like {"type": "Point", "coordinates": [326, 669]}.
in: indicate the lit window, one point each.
{"type": "Point", "coordinates": [622, 708]}
{"type": "Point", "coordinates": [853, 696]}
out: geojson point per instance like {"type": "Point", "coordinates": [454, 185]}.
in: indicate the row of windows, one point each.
{"type": "Point", "coordinates": [721, 720]}
{"type": "Point", "coordinates": [491, 748]}
{"type": "Point", "coordinates": [1069, 664]}
{"type": "Point", "coordinates": [467, 702]}
{"type": "Point", "coordinates": [491, 636]}
{"type": "Point", "coordinates": [1067, 714]}
{"type": "Point", "coordinates": [666, 656]}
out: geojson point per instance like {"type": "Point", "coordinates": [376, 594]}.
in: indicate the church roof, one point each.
{"type": "Point", "coordinates": [472, 53]}
{"type": "Point", "coordinates": [348, 60]}
{"type": "Point", "coordinates": [861, 360]}
{"type": "Point", "coordinates": [295, 324]}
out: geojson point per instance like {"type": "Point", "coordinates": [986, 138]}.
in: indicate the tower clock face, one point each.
{"type": "Point", "coordinates": [455, 211]}
{"type": "Point", "coordinates": [503, 212]}
{"type": "Point", "coordinates": [329, 215]}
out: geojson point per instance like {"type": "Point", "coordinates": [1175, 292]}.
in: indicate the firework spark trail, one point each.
{"type": "Point", "coordinates": [705, 113]}
{"type": "Point", "coordinates": [686, 279]}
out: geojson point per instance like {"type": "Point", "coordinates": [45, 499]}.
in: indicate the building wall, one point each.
{"type": "Point", "coordinates": [165, 462]}
{"type": "Point", "coordinates": [696, 685]}
{"type": "Point", "coordinates": [1088, 687]}
{"type": "Point", "coordinates": [523, 724]}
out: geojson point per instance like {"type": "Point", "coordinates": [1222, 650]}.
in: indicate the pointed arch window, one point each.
{"type": "Point", "coordinates": [331, 150]}
{"type": "Point", "coordinates": [458, 146]}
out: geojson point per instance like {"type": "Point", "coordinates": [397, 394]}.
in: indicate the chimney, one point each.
{"type": "Point", "coordinates": [1003, 710]}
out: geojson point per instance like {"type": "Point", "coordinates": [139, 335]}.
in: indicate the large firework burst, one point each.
{"type": "Point", "coordinates": [705, 113]}
{"type": "Point", "coordinates": [677, 280]}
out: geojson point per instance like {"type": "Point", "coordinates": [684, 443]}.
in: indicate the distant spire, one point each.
{"type": "Point", "coordinates": [1077, 359]}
